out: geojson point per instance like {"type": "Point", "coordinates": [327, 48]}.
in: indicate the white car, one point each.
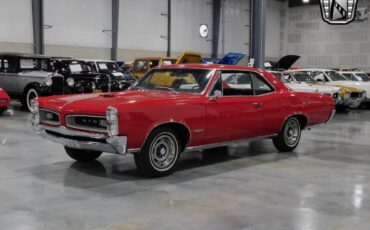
{"type": "Point", "coordinates": [332, 78]}
{"type": "Point", "coordinates": [356, 76]}
{"type": "Point", "coordinates": [302, 82]}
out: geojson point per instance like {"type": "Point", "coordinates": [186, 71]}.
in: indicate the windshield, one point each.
{"type": "Point", "coordinates": [363, 76]}
{"type": "Point", "coordinates": [334, 76]}
{"type": "Point", "coordinates": [175, 80]}
{"type": "Point", "coordinates": [303, 77]}
{"type": "Point", "coordinates": [107, 66]}
{"type": "Point", "coordinates": [78, 67]}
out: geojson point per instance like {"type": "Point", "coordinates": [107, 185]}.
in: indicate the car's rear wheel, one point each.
{"type": "Point", "coordinates": [289, 136]}
{"type": "Point", "coordinates": [31, 93]}
{"type": "Point", "coordinates": [160, 153]}
{"type": "Point", "coordinates": [82, 155]}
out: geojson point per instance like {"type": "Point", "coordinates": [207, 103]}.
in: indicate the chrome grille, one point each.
{"type": "Point", "coordinates": [85, 122]}
{"type": "Point", "coordinates": [356, 95]}
{"type": "Point", "coordinates": [49, 117]}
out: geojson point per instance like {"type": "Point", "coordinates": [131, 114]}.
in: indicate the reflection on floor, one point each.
{"type": "Point", "coordinates": [324, 184]}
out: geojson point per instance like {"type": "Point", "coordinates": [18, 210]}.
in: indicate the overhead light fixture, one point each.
{"type": "Point", "coordinates": [305, 1]}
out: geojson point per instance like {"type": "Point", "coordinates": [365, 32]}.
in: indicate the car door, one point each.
{"type": "Point", "coordinates": [234, 114]}
{"type": "Point", "coordinates": [9, 75]}
{"type": "Point", "coordinates": [269, 108]}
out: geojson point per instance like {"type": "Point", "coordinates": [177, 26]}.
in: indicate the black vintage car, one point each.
{"type": "Point", "coordinates": [78, 76]}
{"type": "Point", "coordinates": [119, 79]}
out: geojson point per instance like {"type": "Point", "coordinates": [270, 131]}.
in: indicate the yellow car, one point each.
{"type": "Point", "coordinates": [144, 64]}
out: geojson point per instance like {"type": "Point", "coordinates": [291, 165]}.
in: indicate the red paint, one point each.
{"type": "Point", "coordinates": [209, 121]}
{"type": "Point", "coordinates": [4, 96]}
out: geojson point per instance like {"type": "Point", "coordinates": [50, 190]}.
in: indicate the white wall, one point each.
{"type": "Point", "coordinates": [78, 22]}
{"type": "Point", "coordinates": [141, 25]}
{"type": "Point", "coordinates": [187, 16]}
{"type": "Point", "coordinates": [322, 45]}
{"type": "Point", "coordinates": [235, 26]}
{"type": "Point", "coordinates": [273, 41]}
{"type": "Point", "coordinates": [16, 21]}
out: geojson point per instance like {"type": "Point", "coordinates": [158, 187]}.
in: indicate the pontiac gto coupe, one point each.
{"type": "Point", "coordinates": [180, 107]}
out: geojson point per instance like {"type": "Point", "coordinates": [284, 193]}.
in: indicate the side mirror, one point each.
{"type": "Point", "coordinates": [217, 94]}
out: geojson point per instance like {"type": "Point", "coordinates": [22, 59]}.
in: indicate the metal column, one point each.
{"type": "Point", "coordinates": [38, 26]}
{"type": "Point", "coordinates": [115, 19]}
{"type": "Point", "coordinates": [258, 26]}
{"type": "Point", "coordinates": [216, 27]}
{"type": "Point", "coordinates": [169, 28]}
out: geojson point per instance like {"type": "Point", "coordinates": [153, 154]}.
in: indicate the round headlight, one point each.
{"type": "Point", "coordinates": [70, 82]}
{"type": "Point", "coordinates": [48, 81]}
{"type": "Point", "coordinates": [93, 86]}
{"type": "Point", "coordinates": [34, 106]}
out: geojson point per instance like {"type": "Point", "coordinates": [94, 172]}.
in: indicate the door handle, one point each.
{"type": "Point", "coordinates": [258, 104]}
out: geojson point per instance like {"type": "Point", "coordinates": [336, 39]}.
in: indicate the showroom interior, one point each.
{"type": "Point", "coordinates": [155, 85]}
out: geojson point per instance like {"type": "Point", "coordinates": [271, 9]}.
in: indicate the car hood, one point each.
{"type": "Point", "coordinates": [286, 62]}
{"type": "Point", "coordinates": [354, 84]}
{"type": "Point", "coordinates": [303, 87]}
{"type": "Point", "coordinates": [96, 104]}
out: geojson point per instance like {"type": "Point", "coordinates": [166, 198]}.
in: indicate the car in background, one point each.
{"type": "Point", "coordinates": [229, 59]}
{"type": "Point", "coordinates": [79, 77]}
{"type": "Point", "coordinates": [119, 80]}
{"type": "Point", "coordinates": [142, 65]}
{"type": "Point", "coordinates": [27, 76]}
{"type": "Point", "coordinates": [350, 90]}
{"type": "Point", "coordinates": [356, 76]}
{"type": "Point", "coordinates": [302, 82]}
{"type": "Point", "coordinates": [4, 101]}
{"type": "Point", "coordinates": [157, 121]}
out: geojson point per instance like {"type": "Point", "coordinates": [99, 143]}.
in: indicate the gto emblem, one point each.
{"type": "Point", "coordinates": [338, 12]}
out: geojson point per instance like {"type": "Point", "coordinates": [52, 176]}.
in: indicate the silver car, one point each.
{"type": "Point", "coordinates": [27, 76]}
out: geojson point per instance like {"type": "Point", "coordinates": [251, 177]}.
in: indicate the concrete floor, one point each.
{"type": "Point", "coordinates": [324, 184]}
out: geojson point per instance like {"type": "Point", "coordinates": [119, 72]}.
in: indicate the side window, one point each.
{"type": "Point", "coordinates": [236, 84]}
{"type": "Point", "coordinates": [153, 63]}
{"type": "Point", "coordinates": [318, 76]}
{"type": "Point", "coordinates": [217, 86]}
{"type": "Point", "coordinates": [140, 66]}
{"type": "Point", "coordinates": [9, 65]}
{"type": "Point", "coordinates": [260, 85]}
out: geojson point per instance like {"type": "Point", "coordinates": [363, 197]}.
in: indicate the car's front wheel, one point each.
{"type": "Point", "coordinates": [160, 153]}
{"type": "Point", "coordinates": [31, 93]}
{"type": "Point", "coordinates": [82, 155]}
{"type": "Point", "coordinates": [289, 136]}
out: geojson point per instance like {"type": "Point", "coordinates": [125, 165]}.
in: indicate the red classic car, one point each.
{"type": "Point", "coordinates": [4, 101]}
{"type": "Point", "coordinates": [177, 108]}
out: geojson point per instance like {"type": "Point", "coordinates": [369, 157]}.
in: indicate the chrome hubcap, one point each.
{"type": "Point", "coordinates": [163, 152]}
{"type": "Point", "coordinates": [292, 132]}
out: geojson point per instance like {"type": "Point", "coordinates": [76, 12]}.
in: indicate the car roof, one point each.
{"type": "Point", "coordinates": [25, 55]}
{"type": "Point", "coordinates": [209, 66]}
{"type": "Point", "coordinates": [97, 60]}
{"type": "Point", "coordinates": [317, 69]}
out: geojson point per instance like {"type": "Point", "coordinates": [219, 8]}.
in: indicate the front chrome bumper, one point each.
{"type": "Point", "coordinates": [331, 116]}
{"type": "Point", "coordinates": [352, 103]}
{"type": "Point", "coordinates": [82, 140]}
